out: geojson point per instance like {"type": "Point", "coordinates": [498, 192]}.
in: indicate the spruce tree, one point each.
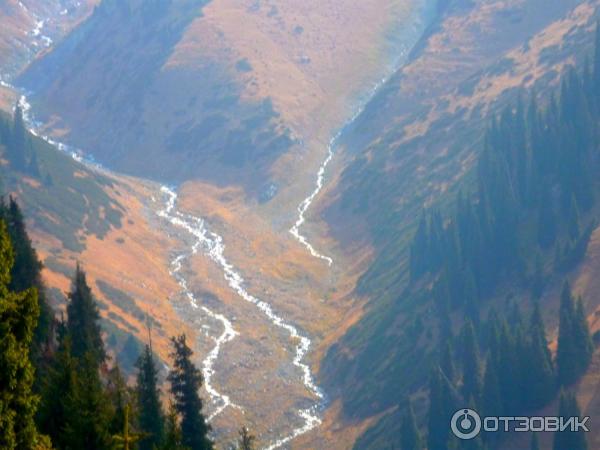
{"type": "Point", "coordinates": [539, 370]}
{"type": "Point", "coordinates": [575, 348]}
{"type": "Point", "coordinates": [18, 316]}
{"type": "Point", "coordinates": [26, 274]}
{"type": "Point", "coordinates": [17, 146]}
{"type": "Point", "coordinates": [410, 438]}
{"type": "Point", "coordinates": [33, 168]}
{"type": "Point", "coordinates": [565, 353]}
{"type": "Point", "coordinates": [471, 364]}
{"type": "Point", "coordinates": [443, 402]}
{"type": "Point", "coordinates": [75, 383]}
{"type": "Point", "coordinates": [568, 439]}
{"type": "Point", "coordinates": [88, 405]}
{"type": "Point", "coordinates": [58, 389]}
{"type": "Point", "coordinates": [471, 297]}
{"type": "Point", "coordinates": [581, 335]}
{"type": "Point", "coordinates": [119, 398]}
{"type": "Point", "coordinates": [151, 418]}
{"type": "Point", "coordinates": [491, 403]}
{"type": "Point", "coordinates": [538, 281]}
{"type": "Point", "coordinates": [546, 228]}
{"type": "Point", "coordinates": [173, 438]}
{"type": "Point", "coordinates": [447, 362]}
{"type": "Point", "coordinates": [573, 225]}
{"type": "Point", "coordinates": [83, 321]}
{"type": "Point", "coordinates": [186, 380]}
{"type": "Point", "coordinates": [509, 370]}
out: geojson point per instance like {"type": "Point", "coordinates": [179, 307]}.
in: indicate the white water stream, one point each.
{"type": "Point", "coordinates": [307, 202]}
{"type": "Point", "coordinates": [220, 401]}
{"type": "Point", "coordinates": [213, 246]}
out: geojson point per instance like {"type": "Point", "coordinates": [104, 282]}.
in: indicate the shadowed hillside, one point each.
{"type": "Point", "coordinates": [414, 148]}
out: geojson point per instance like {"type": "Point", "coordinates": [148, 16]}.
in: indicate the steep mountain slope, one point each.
{"type": "Point", "coordinates": [413, 147]}
{"type": "Point", "coordinates": [181, 90]}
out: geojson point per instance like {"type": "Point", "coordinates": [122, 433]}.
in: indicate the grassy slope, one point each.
{"type": "Point", "coordinates": [413, 147]}
{"type": "Point", "coordinates": [78, 214]}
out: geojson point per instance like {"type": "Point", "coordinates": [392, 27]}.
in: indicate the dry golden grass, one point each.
{"type": "Point", "coordinates": [308, 74]}
{"type": "Point", "coordinates": [134, 259]}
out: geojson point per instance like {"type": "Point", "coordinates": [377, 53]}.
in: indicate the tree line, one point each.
{"type": "Point", "coordinates": [535, 190]}
{"type": "Point", "coordinates": [505, 368]}
{"type": "Point", "coordinates": [533, 202]}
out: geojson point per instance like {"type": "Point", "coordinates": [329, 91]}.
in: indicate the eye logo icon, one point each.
{"type": "Point", "coordinates": [465, 424]}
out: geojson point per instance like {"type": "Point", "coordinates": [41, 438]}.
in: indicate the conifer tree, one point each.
{"type": "Point", "coordinates": [565, 353]}
{"type": "Point", "coordinates": [410, 438]}
{"type": "Point", "coordinates": [471, 297]}
{"type": "Point", "coordinates": [471, 365]}
{"type": "Point", "coordinates": [83, 321]}
{"type": "Point", "coordinates": [539, 370]}
{"type": "Point", "coordinates": [575, 349]}
{"type": "Point", "coordinates": [89, 427]}
{"type": "Point", "coordinates": [118, 396]}
{"type": "Point", "coordinates": [491, 403]}
{"type": "Point", "coordinates": [58, 389]}
{"type": "Point", "coordinates": [151, 418]}
{"type": "Point", "coordinates": [581, 334]}
{"type": "Point", "coordinates": [26, 274]}
{"type": "Point", "coordinates": [74, 382]}
{"type": "Point", "coordinates": [568, 439]}
{"type": "Point", "coordinates": [509, 370]}
{"type": "Point", "coordinates": [186, 381]}
{"type": "Point", "coordinates": [546, 230]}
{"type": "Point", "coordinates": [33, 168]}
{"type": "Point", "coordinates": [18, 316]}
{"type": "Point", "coordinates": [537, 284]}
{"type": "Point", "coordinates": [18, 143]}
{"type": "Point", "coordinates": [173, 439]}
{"type": "Point", "coordinates": [443, 402]}
{"type": "Point", "coordinates": [573, 225]}
{"type": "Point", "coordinates": [447, 362]}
